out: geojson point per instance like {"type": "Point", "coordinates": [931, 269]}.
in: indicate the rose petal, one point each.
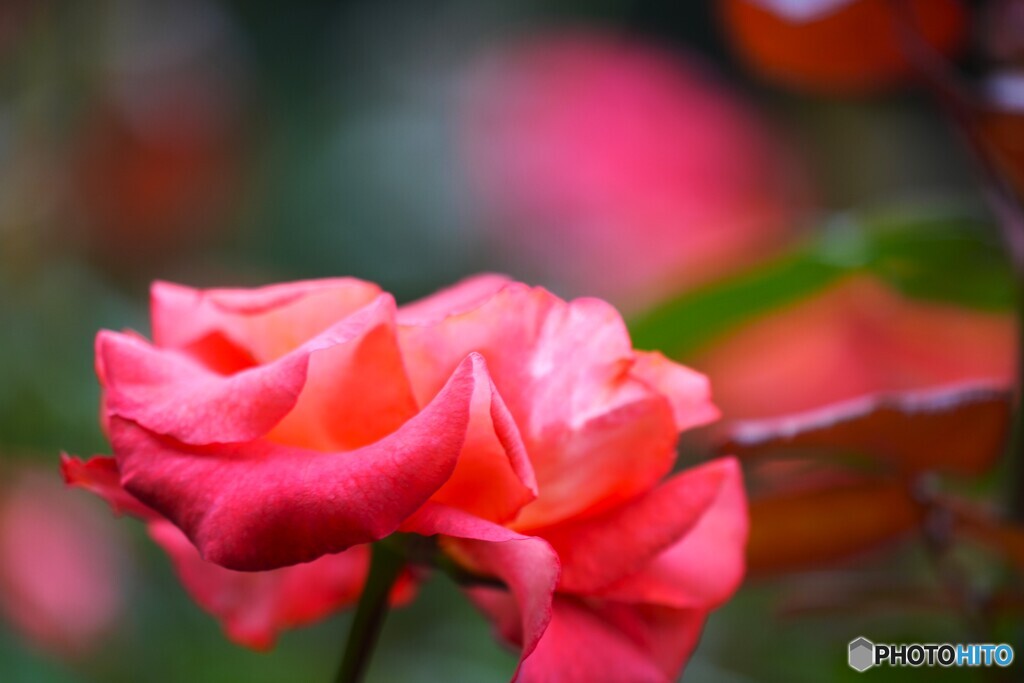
{"type": "Point", "coordinates": [356, 392]}
{"type": "Point", "coordinates": [704, 567]}
{"type": "Point", "coordinates": [254, 607]}
{"type": "Point", "coordinates": [101, 476]}
{"type": "Point", "coordinates": [601, 642]}
{"type": "Point", "coordinates": [527, 565]}
{"type": "Point", "coordinates": [261, 505]}
{"type": "Point", "coordinates": [267, 322]}
{"type": "Point", "coordinates": [598, 551]}
{"type": "Point", "coordinates": [565, 372]}
{"type": "Point", "coordinates": [688, 391]}
{"type": "Point", "coordinates": [462, 297]}
{"type": "Point", "coordinates": [169, 393]}
{"type": "Point", "coordinates": [493, 478]}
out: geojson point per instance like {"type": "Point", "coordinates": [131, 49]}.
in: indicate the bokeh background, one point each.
{"type": "Point", "coordinates": [803, 235]}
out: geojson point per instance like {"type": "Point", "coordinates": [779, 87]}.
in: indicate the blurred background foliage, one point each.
{"type": "Point", "coordinates": [805, 237]}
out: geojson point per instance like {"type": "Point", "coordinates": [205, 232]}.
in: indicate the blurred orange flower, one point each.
{"type": "Point", "coordinates": [1000, 125]}
{"type": "Point", "coordinates": [836, 46]}
{"type": "Point", "coordinates": [857, 337]}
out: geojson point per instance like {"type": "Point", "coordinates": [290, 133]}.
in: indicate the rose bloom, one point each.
{"type": "Point", "coordinates": [267, 435]}
{"type": "Point", "coordinates": [61, 565]}
{"type": "Point", "coordinates": [620, 169]}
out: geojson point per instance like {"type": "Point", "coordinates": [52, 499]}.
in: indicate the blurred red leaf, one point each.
{"type": "Point", "coordinates": [836, 47]}
{"type": "Point", "coordinates": [804, 530]}
{"type": "Point", "coordinates": [960, 429]}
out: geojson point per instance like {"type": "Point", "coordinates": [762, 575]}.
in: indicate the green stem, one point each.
{"type": "Point", "coordinates": [386, 564]}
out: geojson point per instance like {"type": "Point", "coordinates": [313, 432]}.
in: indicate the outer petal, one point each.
{"type": "Point", "coordinates": [598, 551]}
{"type": "Point", "coordinates": [706, 566]}
{"type": "Point", "coordinates": [602, 642]}
{"type": "Point", "coordinates": [266, 322]}
{"type": "Point", "coordinates": [462, 297]}
{"type": "Point", "coordinates": [169, 393]}
{"type": "Point", "coordinates": [688, 391]}
{"type": "Point", "coordinates": [261, 506]}
{"type": "Point", "coordinates": [255, 606]}
{"type": "Point", "coordinates": [596, 434]}
{"type": "Point", "coordinates": [252, 606]}
{"type": "Point", "coordinates": [101, 476]}
{"type": "Point", "coordinates": [527, 565]}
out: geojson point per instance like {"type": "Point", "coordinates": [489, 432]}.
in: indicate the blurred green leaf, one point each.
{"type": "Point", "coordinates": [950, 256]}
{"type": "Point", "coordinates": [49, 396]}
{"type": "Point", "coordinates": [684, 324]}
{"type": "Point", "coordinates": [954, 258]}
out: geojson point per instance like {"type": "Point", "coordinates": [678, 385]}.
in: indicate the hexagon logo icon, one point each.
{"type": "Point", "coordinates": [862, 654]}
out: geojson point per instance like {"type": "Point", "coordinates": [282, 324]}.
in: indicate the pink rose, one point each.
{"type": "Point", "coordinates": [293, 424]}
{"type": "Point", "coordinates": [622, 170]}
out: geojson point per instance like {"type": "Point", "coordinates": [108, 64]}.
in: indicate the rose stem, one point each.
{"type": "Point", "coordinates": [386, 564]}
{"type": "Point", "coordinates": [957, 102]}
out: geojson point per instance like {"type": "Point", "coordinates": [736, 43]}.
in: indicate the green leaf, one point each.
{"type": "Point", "coordinates": [686, 323]}
{"type": "Point", "coordinates": [954, 258]}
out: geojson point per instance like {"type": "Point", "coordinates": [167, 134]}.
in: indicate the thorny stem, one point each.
{"type": "Point", "coordinates": [975, 606]}
{"type": "Point", "coordinates": [386, 565]}
{"type": "Point", "coordinates": [958, 103]}
{"type": "Point", "coordinates": [936, 534]}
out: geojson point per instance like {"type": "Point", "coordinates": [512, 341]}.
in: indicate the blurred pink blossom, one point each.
{"type": "Point", "coordinates": [622, 170]}
{"type": "Point", "coordinates": [61, 565]}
